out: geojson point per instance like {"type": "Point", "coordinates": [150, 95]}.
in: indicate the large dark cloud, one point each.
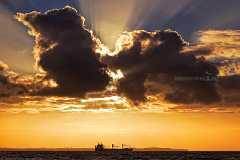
{"type": "Point", "coordinates": [65, 50]}
{"type": "Point", "coordinates": [151, 53]}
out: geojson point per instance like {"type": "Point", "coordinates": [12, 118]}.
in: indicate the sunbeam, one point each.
{"type": "Point", "coordinates": [146, 12]}
{"type": "Point", "coordinates": [15, 44]}
{"type": "Point", "coordinates": [110, 18]}
{"type": "Point", "coordinates": [107, 18]}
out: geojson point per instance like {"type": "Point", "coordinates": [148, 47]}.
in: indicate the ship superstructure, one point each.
{"type": "Point", "coordinates": [101, 148]}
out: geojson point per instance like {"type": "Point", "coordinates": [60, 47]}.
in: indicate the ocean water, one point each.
{"type": "Point", "coordinates": [127, 156]}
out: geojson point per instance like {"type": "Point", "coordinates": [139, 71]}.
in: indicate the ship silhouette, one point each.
{"type": "Point", "coordinates": [116, 149]}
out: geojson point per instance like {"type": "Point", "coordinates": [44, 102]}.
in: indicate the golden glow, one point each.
{"type": "Point", "coordinates": [117, 75]}
{"type": "Point", "coordinates": [195, 131]}
{"type": "Point", "coordinates": [125, 40]}
{"type": "Point", "coordinates": [94, 103]}
{"type": "Point", "coordinates": [102, 49]}
{"type": "Point", "coordinates": [103, 102]}
{"type": "Point", "coordinates": [105, 116]}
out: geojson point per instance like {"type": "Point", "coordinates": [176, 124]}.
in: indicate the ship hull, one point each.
{"type": "Point", "coordinates": [115, 151]}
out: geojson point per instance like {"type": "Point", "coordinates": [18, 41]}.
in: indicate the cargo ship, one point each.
{"type": "Point", "coordinates": [100, 148]}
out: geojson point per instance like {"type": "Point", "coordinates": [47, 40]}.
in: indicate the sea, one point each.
{"type": "Point", "coordinates": [70, 155]}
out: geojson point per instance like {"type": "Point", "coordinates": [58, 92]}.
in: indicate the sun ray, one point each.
{"type": "Point", "coordinates": [15, 44]}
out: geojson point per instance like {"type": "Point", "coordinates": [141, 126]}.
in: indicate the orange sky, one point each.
{"type": "Point", "coordinates": [194, 131]}
{"type": "Point", "coordinates": [51, 122]}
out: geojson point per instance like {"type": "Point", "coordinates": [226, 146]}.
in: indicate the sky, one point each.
{"type": "Point", "coordinates": [159, 73]}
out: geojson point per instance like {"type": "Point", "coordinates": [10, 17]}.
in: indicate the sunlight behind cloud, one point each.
{"type": "Point", "coordinates": [110, 18]}
{"type": "Point", "coordinates": [107, 18]}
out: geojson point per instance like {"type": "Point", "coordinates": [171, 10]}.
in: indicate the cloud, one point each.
{"type": "Point", "coordinates": [230, 89]}
{"type": "Point", "coordinates": [13, 84]}
{"type": "Point", "coordinates": [8, 85]}
{"type": "Point", "coordinates": [221, 48]}
{"type": "Point", "coordinates": [66, 51]}
{"type": "Point", "coordinates": [225, 45]}
{"type": "Point", "coordinates": [192, 79]}
{"type": "Point", "coordinates": [158, 71]}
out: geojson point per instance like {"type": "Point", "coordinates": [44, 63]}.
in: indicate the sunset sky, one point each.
{"type": "Point", "coordinates": [159, 73]}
